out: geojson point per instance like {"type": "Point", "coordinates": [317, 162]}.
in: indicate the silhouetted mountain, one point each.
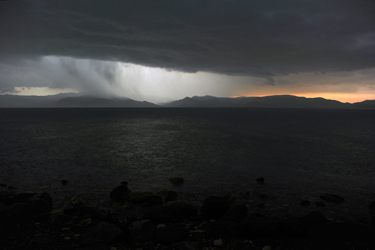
{"type": "Point", "coordinates": [90, 101]}
{"type": "Point", "coordinates": [31, 101]}
{"type": "Point", "coordinates": [68, 100]}
{"type": "Point", "coordinates": [278, 101]}
{"type": "Point", "coordinates": [368, 104]}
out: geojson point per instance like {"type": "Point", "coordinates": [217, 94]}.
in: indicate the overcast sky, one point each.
{"type": "Point", "coordinates": [160, 50]}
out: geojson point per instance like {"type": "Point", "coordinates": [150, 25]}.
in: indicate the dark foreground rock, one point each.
{"type": "Point", "coordinates": [136, 223]}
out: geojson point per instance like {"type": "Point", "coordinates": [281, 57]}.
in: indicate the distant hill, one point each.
{"type": "Point", "coordinates": [68, 100]}
{"type": "Point", "coordinates": [278, 101]}
{"type": "Point", "coordinates": [90, 101]}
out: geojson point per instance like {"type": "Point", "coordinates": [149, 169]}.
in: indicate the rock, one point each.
{"type": "Point", "coordinates": [19, 198]}
{"type": "Point", "coordinates": [64, 182]}
{"type": "Point", "coordinates": [320, 204]}
{"type": "Point", "coordinates": [332, 198]}
{"type": "Point", "coordinates": [120, 193]}
{"type": "Point", "coordinates": [372, 206]}
{"type": "Point", "coordinates": [236, 214]}
{"type": "Point", "coordinates": [3, 185]}
{"type": "Point", "coordinates": [187, 246]}
{"type": "Point", "coordinates": [305, 203]}
{"type": "Point", "coordinates": [267, 248]}
{"type": "Point", "coordinates": [260, 180]}
{"type": "Point", "coordinates": [47, 197]}
{"type": "Point", "coordinates": [222, 229]}
{"type": "Point", "coordinates": [161, 214]}
{"type": "Point", "coordinates": [261, 205]}
{"type": "Point", "coordinates": [171, 196]}
{"type": "Point", "coordinates": [170, 234]}
{"type": "Point", "coordinates": [60, 219]}
{"type": "Point", "coordinates": [20, 212]}
{"type": "Point", "coordinates": [196, 235]}
{"type": "Point", "coordinates": [182, 209]}
{"type": "Point", "coordinates": [214, 208]}
{"type": "Point", "coordinates": [41, 206]}
{"type": "Point", "coordinates": [218, 242]}
{"type": "Point", "coordinates": [263, 196]}
{"type": "Point", "coordinates": [148, 198]}
{"type": "Point", "coordinates": [103, 232]}
{"type": "Point", "coordinates": [142, 231]}
{"type": "Point", "coordinates": [177, 181]}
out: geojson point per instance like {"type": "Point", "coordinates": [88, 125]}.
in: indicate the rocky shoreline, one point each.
{"type": "Point", "coordinates": [163, 220]}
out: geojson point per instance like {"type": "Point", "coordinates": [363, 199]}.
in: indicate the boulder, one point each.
{"type": "Point", "coordinates": [120, 193]}
{"type": "Point", "coordinates": [103, 232]}
{"type": "Point", "coordinates": [146, 198]}
{"type": "Point", "coordinates": [214, 208]}
{"type": "Point", "coordinates": [177, 181]}
{"type": "Point", "coordinates": [332, 198]}
{"type": "Point", "coordinates": [372, 206]}
{"type": "Point", "coordinates": [142, 231]}
{"type": "Point", "coordinates": [320, 204]}
{"type": "Point", "coordinates": [236, 214]}
{"type": "Point", "coordinates": [260, 180]}
{"type": "Point", "coordinates": [41, 206]}
{"type": "Point", "coordinates": [182, 209]}
{"type": "Point", "coordinates": [171, 196]}
{"type": "Point", "coordinates": [305, 203]}
{"type": "Point", "coordinates": [171, 234]}
{"type": "Point", "coordinates": [161, 214]}
{"type": "Point", "coordinates": [20, 212]}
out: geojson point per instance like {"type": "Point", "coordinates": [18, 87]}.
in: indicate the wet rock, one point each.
{"type": "Point", "coordinates": [182, 209]}
{"type": "Point", "coordinates": [42, 243]}
{"type": "Point", "coordinates": [305, 203]}
{"type": "Point", "coordinates": [47, 197]}
{"type": "Point", "coordinates": [41, 206]}
{"type": "Point", "coordinates": [142, 231]}
{"type": "Point", "coordinates": [260, 227]}
{"type": "Point", "coordinates": [320, 204]}
{"type": "Point", "coordinates": [20, 198]}
{"type": "Point", "coordinates": [171, 196]}
{"type": "Point", "coordinates": [101, 233]}
{"type": "Point", "coordinates": [214, 207]}
{"type": "Point", "coordinates": [263, 196]}
{"type": "Point", "coordinates": [236, 214]}
{"type": "Point", "coordinates": [148, 198]}
{"type": "Point", "coordinates": [171, 234]}
{"type": "Point", "coordinates": [372, 206]}
{"type": "Point", "coordinates": [261, 205]}
{"type": "Point", "coordinates": [260, 180]}
{"type": "Point", "coordinates": [120, 193]}
{"type": "Point", "coordinates": [60, 219]}
{"type": "Point", "coordinates": [187, 246]}
{"type": "Point", "coordinates": [161, 214]}
{"type": "Point", "coordinates": [20, 212]}
{"type": "Point", "coordinates": [332, 198]}
{"type": "Point", "coordinates": [221, 229]}
{"type": "Point", "coordinates": [177, 181]}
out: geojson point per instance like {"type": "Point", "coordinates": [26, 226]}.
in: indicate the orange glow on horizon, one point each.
{"type": "Point", "coordinates": [351, 98]}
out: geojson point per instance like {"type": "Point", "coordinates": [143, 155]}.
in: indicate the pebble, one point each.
{"type": "Point", "coordinates": [67, 238]}
{"type": "Point", "coordinates": [267, 248]}
{"type": "Point", "coordinates": [87, 221]}
{"type": "Point", "coordinates": [65, 229]}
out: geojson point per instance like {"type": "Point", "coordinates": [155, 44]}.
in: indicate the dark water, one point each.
{"type": "Point", "coordinates": [217, 151]}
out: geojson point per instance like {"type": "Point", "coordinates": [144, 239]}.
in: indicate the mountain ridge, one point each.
{"type": "Point", "coordinates": [72, 100]}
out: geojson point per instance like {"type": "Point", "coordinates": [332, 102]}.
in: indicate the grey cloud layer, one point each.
{"type": "Point", "coordinates": [257, 38]}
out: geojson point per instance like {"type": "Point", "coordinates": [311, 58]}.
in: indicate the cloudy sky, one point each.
{"type": "Point", "coordinates": [159, 50]}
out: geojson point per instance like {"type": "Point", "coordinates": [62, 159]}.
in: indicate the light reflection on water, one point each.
{"type": "Point", "coordinates": [217, 151]}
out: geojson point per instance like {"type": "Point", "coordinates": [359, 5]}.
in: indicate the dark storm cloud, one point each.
{"type": "Point", "coordinates": [235, 37]}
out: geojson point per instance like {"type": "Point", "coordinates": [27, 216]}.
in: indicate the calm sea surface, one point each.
{"type": "Point", "coordinates": [300, 153]}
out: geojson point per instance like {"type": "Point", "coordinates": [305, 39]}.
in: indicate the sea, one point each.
{"type": "Point", "coordinates": [301, 154]}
